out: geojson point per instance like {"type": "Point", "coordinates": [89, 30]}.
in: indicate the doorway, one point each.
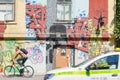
{"type": "Point", "coordinates": [62, 56]}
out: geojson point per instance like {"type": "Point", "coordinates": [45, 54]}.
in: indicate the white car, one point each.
{"type": "Point", "coordinates": [103, 67]}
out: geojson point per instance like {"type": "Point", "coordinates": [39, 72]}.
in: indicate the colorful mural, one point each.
{"type": "Point", "coordinates": [80, 11]}
{"type": "Point", "coordinates": [1, 56]}
{"type": "Point", "coordinates": [89, 33]}
{"type": "Point", "coordinates": [80, 56]}
{"type": "Point", "coordinates": [36, 19]}
{"type": "Point", "coordinates": [7, 51]}
{"type": "Point", "coordinates": [36, 53]}
{"type": "Point", "coordinates": [79, 34]}
{"type": "Point", "coordinates": [98, 26]}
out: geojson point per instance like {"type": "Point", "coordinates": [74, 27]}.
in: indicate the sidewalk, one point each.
{"type": "Point", "coordinates": [35, 77]}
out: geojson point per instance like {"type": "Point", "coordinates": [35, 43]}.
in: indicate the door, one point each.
{"type": "Point", "coordinates": [62, 56]}
{"type": "Point", "coordinates": [105, 68]}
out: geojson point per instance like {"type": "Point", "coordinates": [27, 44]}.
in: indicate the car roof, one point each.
{"type": "Point", "coordinates": [109, 53]}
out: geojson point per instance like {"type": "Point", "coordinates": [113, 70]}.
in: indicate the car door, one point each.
{"type": "Point", "coordinates": [105, 68]}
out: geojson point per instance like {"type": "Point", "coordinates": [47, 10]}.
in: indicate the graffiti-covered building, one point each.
{"type": "Point", "coordinates": [17, 29]}
{"type": "Point", "coordinates": [56, 33]}
{"type": "Point", "coordinates": [79, 30]}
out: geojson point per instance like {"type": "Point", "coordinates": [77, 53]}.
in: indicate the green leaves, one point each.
{"type": "Point", "coordinates": [117, 23]}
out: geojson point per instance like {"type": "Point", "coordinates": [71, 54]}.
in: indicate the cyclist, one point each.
{"type": "Point", "coordinates": [23, 57]}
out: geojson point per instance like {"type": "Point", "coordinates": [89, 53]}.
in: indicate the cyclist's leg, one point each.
{"type": "Point", "coordinates": [24, 60]}
{"type": "Point", "coordinates": [19, 61]}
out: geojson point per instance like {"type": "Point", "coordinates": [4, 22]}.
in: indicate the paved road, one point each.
{"type": "Point", "coordinates": [2, 77]}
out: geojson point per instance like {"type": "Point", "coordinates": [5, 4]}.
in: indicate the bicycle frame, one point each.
{"type": "Point", "coordinates": [12, 69]}
{"type": "Point", "coordinates": [15, 66]}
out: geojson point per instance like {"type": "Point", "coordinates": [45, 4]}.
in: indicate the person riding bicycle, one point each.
{"type": "Point", "coordinates": [23, 57]}
{"type": "Point", "coordinates": [26, 71]}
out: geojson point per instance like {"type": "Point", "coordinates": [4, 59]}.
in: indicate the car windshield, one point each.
{"type": "Point", "coordinates": [84, 62]}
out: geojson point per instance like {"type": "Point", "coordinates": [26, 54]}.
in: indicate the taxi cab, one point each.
{"type": "Point", "coordinates": [103, 67]}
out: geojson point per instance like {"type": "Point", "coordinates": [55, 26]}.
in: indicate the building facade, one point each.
{"type": "Point", "coordinates": [56, 33]}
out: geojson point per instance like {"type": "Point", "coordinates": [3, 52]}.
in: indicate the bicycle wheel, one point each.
{"type": "Point", "coordinates": [9, 71]}
{"type": "Point", "coordinates": [28, 71]}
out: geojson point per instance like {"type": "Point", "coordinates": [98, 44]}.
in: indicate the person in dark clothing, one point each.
{"type": "Point", "coordinates": [23, 57]}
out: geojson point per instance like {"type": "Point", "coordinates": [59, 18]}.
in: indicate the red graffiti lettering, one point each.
{"type": "Point", "coordinates": [78, 33]}
{"type": "Point", "coordinates": [37, 13]}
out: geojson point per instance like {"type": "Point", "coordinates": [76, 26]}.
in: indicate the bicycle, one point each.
{"type": "Point", "coordinates": [12, 69]}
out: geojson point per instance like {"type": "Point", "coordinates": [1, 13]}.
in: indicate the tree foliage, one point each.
{"type": "Point", "coordinates": [117, 23]}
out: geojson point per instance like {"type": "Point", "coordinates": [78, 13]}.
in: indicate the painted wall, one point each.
{"type": "Point", "coordinates": [88, 34]}
{"type": "Point", "coordinates": [21, 33]}
{"type": "Point", "coordinates": [2, 29]}
{"type": "Point", "coordinates": [35, 25]}
{"type": "Point", "coordinates": [36, 57]}
{"type": "Point", "coordinates": [80, 10]}
{"type": "Point", "coordinates": [80, 56]}
{"type": "Point", "coordinates": [17, 27]}
{"type": "Point", "coordinates": [33, 18]}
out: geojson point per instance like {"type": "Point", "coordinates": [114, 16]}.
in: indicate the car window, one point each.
{"type": "Point", "coordinates": [84, 62]}
{"type": "Point", "coordinates": [109, 62]}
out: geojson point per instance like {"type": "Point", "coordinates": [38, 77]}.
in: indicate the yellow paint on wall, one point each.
{"type": "Point", "coordinates": [17, 28]}
{"type": "Point", "coordinates": [111, 13]}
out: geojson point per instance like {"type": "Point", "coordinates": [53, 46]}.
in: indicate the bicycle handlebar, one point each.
{"type": "Point", "coordinates": [13, 62]}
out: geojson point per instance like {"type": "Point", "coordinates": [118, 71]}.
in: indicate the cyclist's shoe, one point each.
{"type": "Point", "coordinates": [21, 74]}
{"type": "Point", "coordinates": [22, 67]}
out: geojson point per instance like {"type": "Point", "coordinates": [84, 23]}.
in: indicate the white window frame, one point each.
{"type": "Point", "coordinates": [61, 14]}
{"type": "Point", "coordinates": [7, 10]}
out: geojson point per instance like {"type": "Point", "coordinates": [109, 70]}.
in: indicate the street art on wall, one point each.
{"type": "Point", "coordinates": [7, 51]}
{"type": "Point", "coordinates": [91, 22]}
{"type": "Point", "coordinates": [31, 33]}
{"type": "Point", "coordinates": [1, 56]}
{"type": "Point", "coordinates": [36, 53]}
{"type": "Point", "coordinates": [36, 19]}
{"type": "Point", "coordinates": [30, 1]}
{"type": "Point", "coordinates": [43, 2]}
{"type": "Point", "coordinates": [82, 13]}
{"type": "Point", "coordinates": [89, 33]}
{"type": "Point", "coordinates": [80, 56]}
{"type": "Point", "coordinates": [98, 27]}
{"type": "Point", "coordinates": [79, 34]}
{"type": "Point", "coordinates": [79, 9]}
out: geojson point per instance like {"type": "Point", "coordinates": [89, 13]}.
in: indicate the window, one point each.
{"type": "Point", "coordinates": [63, 10]}
{"type": "Point", "coordinates": [7, 10]}
{"type": "Point", "coordinates": [63, 52]}
{"type": "Point", "coordinates": [109, 62]}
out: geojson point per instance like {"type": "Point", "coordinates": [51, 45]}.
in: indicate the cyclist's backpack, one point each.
{"type": "Point", "coordinates": [24, 51]}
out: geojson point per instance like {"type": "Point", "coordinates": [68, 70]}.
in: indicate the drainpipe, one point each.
{"type": "Point", "coordinates": [73, 57]}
